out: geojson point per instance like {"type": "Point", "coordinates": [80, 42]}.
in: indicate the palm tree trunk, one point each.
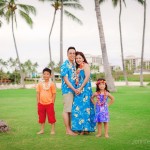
{"type": "Point", "coordinates": [20, 68]}
{"type": "Point", "coordinates": [143, 41]}
{"type": "Point", "coordinates": [49, 43]}
{"type": "Point", "coordinates": [121, 44]}
{"type": "Point", "coordinates": [61, 33]}
{"type": "Point", "coordinates": [107, 69]}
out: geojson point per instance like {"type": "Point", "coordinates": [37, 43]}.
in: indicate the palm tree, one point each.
{"type": "Point", "coordinates": [58, 4]}
{"type": "Point", "coordinates": [115, 2]}
{"type": "Point", "coordinates": [3, 64]}
{"type": "Point", "coordinates": [9, 9]}
{"type": "Point", "coordinates": [29, 67]}
{"type": "Point", "coordinates": [67, 4]}
{"type": "Point", "coordinates": [107, 69]}
{"type": "Point", "coordinates": [143, 42]}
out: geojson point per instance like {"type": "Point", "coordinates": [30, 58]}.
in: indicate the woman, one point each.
{"type": "Point", "coordinates": [83, 109]}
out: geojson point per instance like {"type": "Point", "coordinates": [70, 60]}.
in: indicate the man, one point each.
{"type": "Point", "coordinates": [68, 87]}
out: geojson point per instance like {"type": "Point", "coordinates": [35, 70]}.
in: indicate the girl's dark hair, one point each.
{"type": "Point", "coordinates": [82, 55]}
{"type": "Point", "coordinates": [71, 47]}
{"type": "Point", "coordinates": [98, 82]}
{"type": "Point", "coordinates": [47, 69]}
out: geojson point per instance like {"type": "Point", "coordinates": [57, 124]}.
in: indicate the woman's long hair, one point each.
{"type": "Point", "coordinates": [82, 55]}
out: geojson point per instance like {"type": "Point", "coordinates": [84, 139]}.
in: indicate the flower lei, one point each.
{"type": "Point", "coordinates": [98, 98]}
{"type": "Point", "coordinates": [78, 72]}
{"type": "Point", "coordinates": [100, 81]}
{"type": "Point", "coordinates": [46, 86]}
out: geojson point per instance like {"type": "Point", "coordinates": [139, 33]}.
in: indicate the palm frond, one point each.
{"type": "Point", "coordinates": [26, 17]}
{"type": "Point", "coordinates": [27, 8]}
{"type": "Point", "coordinates": [7, 15]}
{"type": "Point", "coordinates": [141, 1]}
{"type": "Point", "coordinates": [1, 12]}
{"type": "Point", "coordinates": [115, 2]}
{"type": "Point", "coordinates": [73, 5]}
{"type": "Point", "coordinates": [2, 4]}
{"type": "Point", "coordinates": [124, 3]}
{"type": "Point", "coordinates": [101, 1]}
{"type": "Point", "coordinates": [68, 14]}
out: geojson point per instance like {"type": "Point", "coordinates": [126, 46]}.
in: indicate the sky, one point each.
{"type": "Point", "coordinates": [32, 43]}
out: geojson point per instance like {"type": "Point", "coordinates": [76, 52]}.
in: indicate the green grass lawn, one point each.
{"type": "Point", "coordinates": [128, 127]}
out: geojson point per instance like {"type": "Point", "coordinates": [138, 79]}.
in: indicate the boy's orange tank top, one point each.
{"type": "Point", "coordinates": [46, 95]}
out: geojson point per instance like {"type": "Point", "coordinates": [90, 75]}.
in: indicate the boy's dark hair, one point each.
{"type": "Point", "coordinates": [71, 47]}
{"type": "Point", "coordinates": [97, 87]}
{"type": "Point", "coordinates": [47, 69]}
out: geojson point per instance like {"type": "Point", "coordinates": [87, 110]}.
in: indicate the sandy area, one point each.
{"type": "Point", "coordinates": [28, 86]}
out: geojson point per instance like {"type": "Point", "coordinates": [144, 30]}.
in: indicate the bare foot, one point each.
{"type": "Point", "coordinates": [52, 132]}
{"type": "Point", "coordinates": [82, 133]}
{"type": "Point", "coordinates": [40, 132]}
{"type": "Point", "coordinates": [106, 136]}
{"type": "Point", "coordinates": [71, 133]}
{"type": "Point", "coordinates": [98, 135]}
{"type": "Point", "coordinates": [86, 132]}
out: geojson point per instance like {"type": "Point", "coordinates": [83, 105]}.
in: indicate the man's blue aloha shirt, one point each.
{"type": "Point", "coordinates": [68, 70]}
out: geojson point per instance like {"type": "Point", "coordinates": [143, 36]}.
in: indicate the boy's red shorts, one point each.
{"type": "Point", "coordinates": [48, 110]}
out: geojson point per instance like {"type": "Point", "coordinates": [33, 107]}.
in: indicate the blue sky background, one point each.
{"type": "Point", "coordinates": [33, 43]}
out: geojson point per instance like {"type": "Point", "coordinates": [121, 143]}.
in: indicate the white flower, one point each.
{"type": "Point", "coordinates": [84, 99]}
{"type": "Point", "coordinates": [88, 110]}
{"type": "Point", "coordinates": [81, 121]}
{"type": "Point", "coordinates": [76, 115]}
{"type": "Point", "coordinates": [85, 129]}
{"type": "Point", "coordinates": [77, 108]}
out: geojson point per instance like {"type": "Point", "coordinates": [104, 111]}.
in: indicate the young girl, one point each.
{"type": "Point", "coordinates": [101, 112]}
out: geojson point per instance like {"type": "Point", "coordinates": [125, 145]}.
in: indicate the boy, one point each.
{"type": "Point", "coordinates": [46, 94]}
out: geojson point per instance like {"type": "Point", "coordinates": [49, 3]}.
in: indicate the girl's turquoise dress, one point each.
{"type": "Point", "coordinates": [82, 108]}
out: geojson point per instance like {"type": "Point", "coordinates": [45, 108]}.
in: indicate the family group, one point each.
{"type": "Point", "coordinates": [82, 109]}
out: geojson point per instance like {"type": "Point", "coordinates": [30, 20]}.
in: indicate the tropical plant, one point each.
{"type": "Point", "coordinates": [9, 8]}
{"type": "Point", "coordinates": [75, 4]}
{"type": "Point", "coordinates": [107, 70]}
{"type": "Point", "coordinates": [57, 5]}
{"type": "Point", "coordinates": [29, 68]}
{"type": "Point", "coordinates": [3, 64]}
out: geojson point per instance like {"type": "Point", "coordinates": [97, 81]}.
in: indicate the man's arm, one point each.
{"type": "Point", "coordinates": [68, 83]}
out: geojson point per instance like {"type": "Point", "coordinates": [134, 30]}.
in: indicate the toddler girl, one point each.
{"type": "Point", "coordinates": [101, 112]}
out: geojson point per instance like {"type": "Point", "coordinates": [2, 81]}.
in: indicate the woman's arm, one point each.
{"type": "Point", "coordinates": [87, 76]}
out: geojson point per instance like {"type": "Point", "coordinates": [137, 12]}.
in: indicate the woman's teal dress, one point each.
{"type": "Point", "coordinates": [83, 109]}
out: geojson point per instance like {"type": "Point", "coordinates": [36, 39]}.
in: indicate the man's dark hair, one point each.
{"type": "Point", "coordinates": [71, 47]}
{"type": "Point", "coordinates": [47, 69]}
